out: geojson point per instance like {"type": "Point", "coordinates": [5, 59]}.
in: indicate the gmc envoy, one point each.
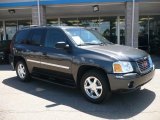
{"type": "Point", "coordinates": [79, 57]}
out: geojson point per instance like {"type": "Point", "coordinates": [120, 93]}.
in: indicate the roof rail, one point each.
{"type": "Point", "coordinates": [25, 27]}
{"type": "Point", "coordinates": [34, 25]}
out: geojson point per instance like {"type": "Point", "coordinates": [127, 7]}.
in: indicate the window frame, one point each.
{"type": "Point", "coordinates": [59, 29]}
{"type": "Point", "coordinates": [18, 33]}
{"type": "Point", "coordinates": [32, 32]}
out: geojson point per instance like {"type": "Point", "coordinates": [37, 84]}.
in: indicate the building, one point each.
{"type": "Point", "coordinates": [120, 21]}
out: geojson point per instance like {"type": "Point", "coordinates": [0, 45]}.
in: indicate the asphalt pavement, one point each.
{"type": "Point", "coordinates": [38, 100]}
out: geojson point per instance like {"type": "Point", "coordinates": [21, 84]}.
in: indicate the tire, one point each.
{"type": "Point", "coordinates": [95, 87]}
{"type": "Point", "coordinates": [22, 72]}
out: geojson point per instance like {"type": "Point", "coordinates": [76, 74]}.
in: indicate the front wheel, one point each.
{"type": "Point", "coordinates": [22, 71]}
{"type": "Point", "coordinates": [95, 87]}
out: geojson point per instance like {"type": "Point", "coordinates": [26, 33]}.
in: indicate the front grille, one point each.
{"type": "Point", "coordinates": [143, 65]}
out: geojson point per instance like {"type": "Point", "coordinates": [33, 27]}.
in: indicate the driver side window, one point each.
{"type": "Point", "coordinates": [53, 36]}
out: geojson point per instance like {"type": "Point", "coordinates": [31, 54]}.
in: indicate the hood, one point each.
{"type": "Point", "coordinates": [118, 52]}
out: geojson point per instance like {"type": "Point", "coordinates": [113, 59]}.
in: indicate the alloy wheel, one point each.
{"type": "Point", "coordinates": [93, 87]}
{"type": "Point", "coordinates": [21, 71]}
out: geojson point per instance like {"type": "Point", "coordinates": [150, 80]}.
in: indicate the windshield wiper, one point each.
{"type": "Point", "coordinates": [85, 44]}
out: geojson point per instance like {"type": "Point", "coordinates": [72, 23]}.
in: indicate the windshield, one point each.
{"type": "Point", "coordinates": [86, 37]}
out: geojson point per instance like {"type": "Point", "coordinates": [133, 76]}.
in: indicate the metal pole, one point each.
{"type": "Point", "coordinates": [59, 21]}
{"type": "Point", "coordinates": [118, 30]}
{"type": "Point", "coordinates": [148, 34]}
{"type": "Point", "coordinates": [133, 13]}
{"type": "Point", "coordinates": [39, 13]}
{"type": "Point", "coordinates": [4, 30]}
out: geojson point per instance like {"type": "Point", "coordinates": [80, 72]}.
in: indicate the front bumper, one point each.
{"type": "Point", "coordinates": [130, 81]}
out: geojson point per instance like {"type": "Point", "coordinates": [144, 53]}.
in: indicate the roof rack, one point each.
{"type": "Point", "coordinates": [25, 27]}
{"type": "Point", "coordinates": [34, 25]}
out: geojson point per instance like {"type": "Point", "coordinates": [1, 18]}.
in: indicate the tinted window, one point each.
{"type": "Point", "coordinates": [22, 36]}
{"type": "Point", "coordinates": [53, 36]}
{"type": "Point", "coordinates": [36, 37]}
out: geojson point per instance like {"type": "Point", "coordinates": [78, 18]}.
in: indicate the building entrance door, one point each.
{"type": "Point", "coordinates": [154, 34]}
{"type": "Point", "coordinates": [11, 28]}
{"type": "Point", "coordinates": [149, 34]}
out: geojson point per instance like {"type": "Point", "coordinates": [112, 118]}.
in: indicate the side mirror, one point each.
{"type": "Point", "coordinates": [62, 45]}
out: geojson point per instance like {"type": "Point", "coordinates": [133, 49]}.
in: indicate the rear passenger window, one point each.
{"type": "Point", "coordinates": [53, 36]}
{"type": "Point", "coordinates": [36, 37]}
{"type": "Point", "coordinates": [22, 37]}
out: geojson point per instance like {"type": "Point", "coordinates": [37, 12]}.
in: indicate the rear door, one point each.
{"type": "Point", "coordinates": [33, 49]}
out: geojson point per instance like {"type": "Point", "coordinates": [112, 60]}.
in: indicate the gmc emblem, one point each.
{"type": "Point", "coordinates": [145, 64]}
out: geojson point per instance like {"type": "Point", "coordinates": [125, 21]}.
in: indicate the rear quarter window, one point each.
{"type": "Point", "coordinates": [36, 37]}
{"type": "Point", "coordinates": [22, 36]}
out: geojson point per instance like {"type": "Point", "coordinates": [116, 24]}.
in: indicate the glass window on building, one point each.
{"type": "Point", "coordinates": [122, 30]}
{"type": "Point", "coordinates": [53, 22]}
{"type": "Point", "coordinates": [108, 28]}
{"type": "Point", "coordinates": [1, 31]}
{"type": "Point", "coordinates": [69, 22]}
{"type": "Point", "coordinates": [11, 28]}
{"type": "Point", "coordinates": [91, 22]}
{"type": "Point", "coordinates": [23, 23]}
{"type": "Point", "coordinates": [154, 34]}
{"type": "Point", "coordinates": [143, 40]}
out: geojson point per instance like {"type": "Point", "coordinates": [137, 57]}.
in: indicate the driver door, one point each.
{"type": "Point", "coordinates": [56, 62]}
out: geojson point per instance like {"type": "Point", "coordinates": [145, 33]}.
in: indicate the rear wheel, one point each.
{"type": "Point", "coordinates": [95, 87]}
{"type": "Point", "coordinates": [22, 71]}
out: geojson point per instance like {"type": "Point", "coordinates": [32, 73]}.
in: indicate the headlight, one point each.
{"type": "Point", "coordinates": [122, 67]}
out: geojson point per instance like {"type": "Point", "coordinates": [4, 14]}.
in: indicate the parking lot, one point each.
{"type": "Point", "coordinates": [38, 100]}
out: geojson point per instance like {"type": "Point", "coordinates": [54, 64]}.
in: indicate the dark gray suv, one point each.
{"type": "Point", "coordinates": [79, 57]}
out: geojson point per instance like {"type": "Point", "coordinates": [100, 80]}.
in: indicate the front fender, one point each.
{"type": "Point", "coordinates": [90, 63]}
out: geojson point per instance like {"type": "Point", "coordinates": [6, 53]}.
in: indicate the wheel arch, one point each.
{"type": "Point", "coordinates": [17, 59]}
{"type": "Point", "coordinates": [84, 68]}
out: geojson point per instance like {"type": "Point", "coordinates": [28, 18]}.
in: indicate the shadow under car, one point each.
{"type": "Point", "coordinates": [120, 106]}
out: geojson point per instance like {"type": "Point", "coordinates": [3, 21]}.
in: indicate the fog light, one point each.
{"type": "Point", "coordinates": [131, 84]}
